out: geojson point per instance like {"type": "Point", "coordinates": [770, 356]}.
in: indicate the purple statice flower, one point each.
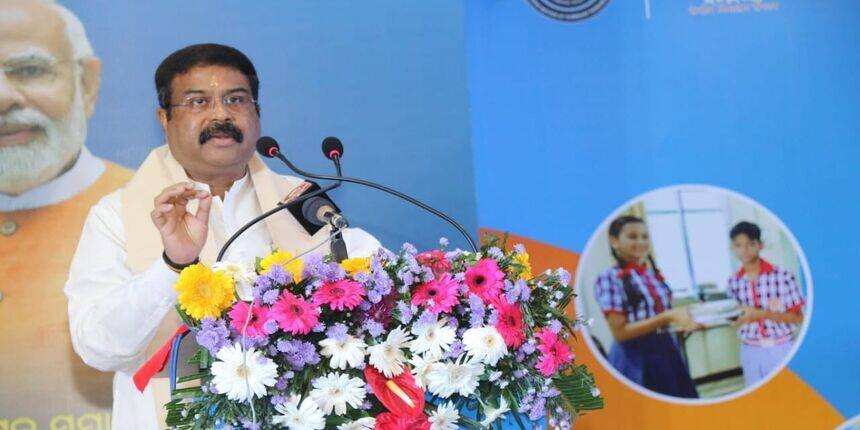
{"type": "Point", "coordinates": [362, 277]}
{"type": "Point", "coordinates": [405, 310]}
{"type": "Point", "coordinates": [538, 409]}
{"type": "Point", "coordinates": [373, 327]}
{"type": "Point", "coordinates": [264, 282]}
{"type": "Point", "coordinates": [519, 373]}
{"type": "Point", "coordinates": [373, 296]}
{"type": "Point", "coordinates": [331, 272]}
{"type": "Point", "coordinates": [300, 354]}
{"type": "Point", "coordinates": [460, 277]}
{"type": "Point", "coordinates": [407, 277]}
{"type": "Point", "coordinates": [365, 305]}
{"type": "Point", "coordinates": [528, 347]}
{"type": "Point", "coordinates": [366, 406]}
{"type": "Point", "coordinates": [496, 253]}
{"type": "Point", "coordinates": [312, 266]}
{"type": "Point", "coordinates": [519, 248]}
{"type": "Point", "coordinates": [409, 249]}
{"type": "Point", "coordinates": [319, 328]}
{"type": "Point", "coordinates": [427, 274]}
{"type": "Point", "coordinates": [279, 276]}
{"type": "Point", "coordinates": [520, 355]}
{"type": "Point", "coordinates": [254, 342]}
{"type": "Point", "coordinates": [270, 297]}
{"type": "Point", "coordinates": [281, 383]}
{"type": "Point", "coordinates": [564, 275]}
{"type": "Point", "coordinates": [270, 326]}
{"type": "Point", "coordinates": [427, 318]}
{"type": "Point", "coordinates": [555, 326]}
{"type": "Point", "coordinates": [278, 400]}
{"type": "Point", "coordinates": [213, 335]}
{"type": "Point", "coordinates": [249, 425]}
{"type": "Point", "coordinates": [494, 317]}
{"type": "Point", "coordinates": [550, 392]}
{"type": "Point", "coordinates": [412, 264]}
{"type": "Point", "coordinates": [517, 291]}
{"type": "Point", "coordinates": [443, 242]}
{"type": "Point", "coordinates": [453, 255]}
{"type": "Point", "coordinates": [337, 332]}
{"type": "Point", "coordinates": [457, 349]}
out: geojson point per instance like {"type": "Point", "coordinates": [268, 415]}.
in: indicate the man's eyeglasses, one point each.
{"type": "Point", "coordinates": [232, 102]}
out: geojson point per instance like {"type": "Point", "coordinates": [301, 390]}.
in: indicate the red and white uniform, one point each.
{"type": "Point", "coordinates": [776, 290]}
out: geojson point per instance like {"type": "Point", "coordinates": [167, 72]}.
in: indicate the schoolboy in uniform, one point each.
{"type": "Point", "coordinates": [771, 301]}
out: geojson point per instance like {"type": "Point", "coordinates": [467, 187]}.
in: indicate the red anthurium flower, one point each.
{"type": "Point", "coordinates": [390, 421]}
{"type": "Point", "coordinates": [400, 394]}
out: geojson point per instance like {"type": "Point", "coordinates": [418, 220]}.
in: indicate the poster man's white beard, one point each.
{"type": "Point", "coordinates": [24, 167]}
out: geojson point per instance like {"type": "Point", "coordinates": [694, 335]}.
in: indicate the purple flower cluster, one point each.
{"type": "Point", "coordinates": [298, 353]}
{"type": "Point", "coordinates": [213, 335]}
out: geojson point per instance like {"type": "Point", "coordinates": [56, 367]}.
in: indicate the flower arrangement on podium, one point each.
{"type": "Point", "coordinates": [433, 340]}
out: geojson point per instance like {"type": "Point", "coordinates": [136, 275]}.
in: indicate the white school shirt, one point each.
{"type": "Point", "coordinates": [113, 315]}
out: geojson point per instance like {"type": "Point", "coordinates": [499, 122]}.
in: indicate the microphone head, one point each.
{"type": "Point", "coordinates": [268, 146]}
{"type": "Point", "coordinates": [332, 147]}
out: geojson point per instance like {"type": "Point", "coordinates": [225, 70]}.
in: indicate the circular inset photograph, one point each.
{"type": "Point", "coordinates": [696, 294]}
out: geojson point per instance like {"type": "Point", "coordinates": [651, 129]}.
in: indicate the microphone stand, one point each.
{"type": "Point", "coordinates": [339, 178]}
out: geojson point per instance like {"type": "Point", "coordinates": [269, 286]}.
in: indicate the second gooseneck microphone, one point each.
{"type": "Point", "coordinates": [333, 149]}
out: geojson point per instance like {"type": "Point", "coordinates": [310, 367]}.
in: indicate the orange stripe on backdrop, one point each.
{"type": "Point", "coordinates": [786, 402]}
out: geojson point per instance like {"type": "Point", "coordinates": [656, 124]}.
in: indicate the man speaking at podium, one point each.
{"type": "Point", "coordinates": [183, 203]}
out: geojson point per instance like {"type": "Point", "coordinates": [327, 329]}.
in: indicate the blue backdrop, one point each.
{"type": "Point", "coordinates": [644, 94]}
{"type": "Point", "coordinates": [389, 80]}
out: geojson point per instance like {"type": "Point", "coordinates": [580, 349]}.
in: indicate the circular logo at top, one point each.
{"type": "Point", "coordinates": [569, 10]}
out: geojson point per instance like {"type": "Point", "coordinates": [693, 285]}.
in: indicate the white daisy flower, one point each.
{"type": "Point", "coordinates": [420, 369]}
{"type": "Point", "coordinates": [492, 414]}
{"type": "Point", "coordinates": [485, 344]}
{"type": "Point", "coordinates": [432, 339]}
{"type": "Point", "coordinates": [337, 390]}
{"type": "Point", "coordinates": [365, 423]}
{"type": "Point", "coordinates": [454, 377]}
{"type": "Point", "coordinates": [294, 416]}
{"type": "Point", "coordinates": [388, 357]}
{"type": "Point", "coordinates": [243, 278]}
{"type": "Point", "coordinates": [445, 417]}
{"type": "Point", "coordinates": [345, 354]}
{"type": "Point", "coordinates": [242, 375]}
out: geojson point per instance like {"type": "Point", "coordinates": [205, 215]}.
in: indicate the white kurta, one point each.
{"type": "Point", "coordinates": [113, 315]}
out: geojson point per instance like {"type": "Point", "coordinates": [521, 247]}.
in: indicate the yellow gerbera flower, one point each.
{"type": "Point", "coordinates": [204, 293]}
{"type": "Point", "coordinates": [356, 265]}
{"type": "Point", "coordinates": [523, 259]}
{"type": "Point", "coordinates": [282, 257]}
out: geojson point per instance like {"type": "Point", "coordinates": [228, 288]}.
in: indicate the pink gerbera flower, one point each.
{"type": "Point", "coordinates": [485, 280]}
{"type": "Point", "coordinates": [294, 314]}
{"type": "Point", "coordinates": [436, 260]}
{"type": "Point", "coordinates": [239, 315]}
{"type": "Point", "coordinates": [555, 353]}
{"type": "Point", "coordinates": [510, 323]}
{"type": "Point", "coordinates": [438, 295]}
{"type": "Point", "coordinates": [340, 295]}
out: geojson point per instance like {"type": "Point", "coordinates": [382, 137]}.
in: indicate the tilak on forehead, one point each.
{"type": "Point", "coordinates": [213, 81]}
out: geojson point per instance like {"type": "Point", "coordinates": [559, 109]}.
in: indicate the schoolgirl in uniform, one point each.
{"type": "Point", "coordinates": [637, 304]}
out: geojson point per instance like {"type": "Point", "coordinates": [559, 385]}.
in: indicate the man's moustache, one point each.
{"type": "Point", "coordinates": [221, 129]}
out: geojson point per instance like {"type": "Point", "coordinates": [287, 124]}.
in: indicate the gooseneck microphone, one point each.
{"type": "Point", "coordinates": [268, 147]}
{"type": "Point", "coordinates": [264, 149]}
{"type": "Point", "coordinates": [320, 211]}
